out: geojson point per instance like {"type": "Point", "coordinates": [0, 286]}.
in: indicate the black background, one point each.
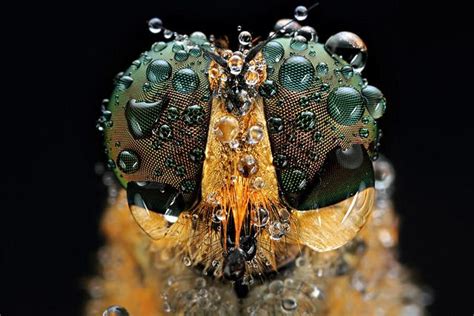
{"type": "Point", "coordinates": [60, 64]}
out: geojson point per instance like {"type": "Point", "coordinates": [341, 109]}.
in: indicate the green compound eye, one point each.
{"type": "Point", "coordinates": [156, 128]}
{"type": "Point", "coordinates": [327, 147]}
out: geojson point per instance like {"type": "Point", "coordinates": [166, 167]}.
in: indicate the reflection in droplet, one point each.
{"type": "Point", "coordinates": [301, 13]}
{"type": "Point", "coordinates": [350, 47]}
{"type": "Point", "coordinates": [155, 25]}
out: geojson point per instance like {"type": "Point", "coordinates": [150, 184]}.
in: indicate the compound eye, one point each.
{"type": "Point", "coordinates": [155, 206]}
{"type": "Point", "coordinates": [155, 128]}
{"type": "Point", "coordinates": [337, 205]}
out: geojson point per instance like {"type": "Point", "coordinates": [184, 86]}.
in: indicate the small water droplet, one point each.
{"type": "Point", "coordinates": [289, 303]}
{"type": "Point", "coordinates": [155, 25]}
{"type": "Point", "coordinates": [128, 161]}
{"type": "Point", "coordinates": [301, 13]}
{"type": "Point", "coordinates": [376, 103]}
{"type": "Point", "coordinates": [245, 38]}
{"type": "Point", "coordinates": [247, 165]}
{"type": "Point", "coordinates": [115, 310]}
{"type": "Point", "coordinates": [187, 261]}
{"type": "Point", "coordinates": [168, 34]}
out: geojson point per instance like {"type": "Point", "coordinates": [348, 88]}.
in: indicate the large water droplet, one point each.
{"type": "Point", "coordinates": [141, 116]}
{"type": "Point", "coordinates": [185, 81]}
{"type": "Point", "coordinates": [198, 38]}
{"type": "Point", "coordinates": [226, 129]}
{"type": "Point", "coordinates": [296, 74]}
{"type": "Point", "coordinates": [128, 161]}
{"type": "Point", "coordinates": [273, 52]}
{"type": "Point", "coordinates": [345, 105]}
{"type": "Point", "coordinates": [350, 47]}
{"type": "Point", "coordinates": [301, 13]}
{"type": "Point", "coordinates": [155, 25]}
{"type": "Point", "coordinates": [376, 103]}
{"type": "Point", "coordinates": [158, 71]}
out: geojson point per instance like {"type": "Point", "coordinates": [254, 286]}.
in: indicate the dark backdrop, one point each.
{"type": "Point", "coordinates": [61, 62]}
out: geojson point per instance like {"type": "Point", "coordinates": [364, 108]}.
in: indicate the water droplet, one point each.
{"type": "Point", "coordinates": [309, 33]}
{"type": "Point", "coordinates": [254, 135]}
{"type": "Point", "coordinates": [268, 89]}
{"type": "Point", "coordinates": [198, 38]}
{"type": "Point", "coordinates": [195, 51]}
{"type": "Point", "coordinates": [300, 262]}
{"type": "Point", "coordinates": [159, 46]}
{"type": "Point", "coordinates": [276, 287]}
{"type": "Point", "coordinates": [345, 105]}
{"type": "Point", "coordinates": [155, 25]}
{"type": "Point", "coordinates": [350, 47]}
{"type": "Point", "coordinates": [301, 13]}
{"type": "Point", "coordinates": [180, 171]}
{"type": "Point", "coordinates": [194, 115]}
{"type": "Point", "coordinates": [289, 304]}
{"type": "Point", "coordinates": [245, 38]}
{"type": "Point", "coordinates": [306, 121]}
{"type": "Point", "coordinates": [196, 155]}
{"type": "Point", "coordinates": [235, 64]}
{"type": "Point", "coordinates": [322, 69]}
{"type": "Point", "coordinates": [277, 230]}
{"type": "Point", "coordinates": [218, 215]}
{"type": "Point", "coordinates": [296, 74]}
{"type": "Point", "coordinates": [115, 310]}
{"type": "Point", "coordinates": [226, 129]}
{"type": "Point", "coordinates": [275, 124]}
{"type": "Point", "coordinates": [164, 132]}
{"type": "Point", "coordinates": [258, 183]}
{"type": "Point", "coordinates": [234, 144]}
{"type": "Point", "coordinates": [280, 161]}
{"type": "Point", "coordinates": [185, 81]}
{"type": "Point", "coordinates": [187, 261]}
{"type": "Point", "coordinates": [376, 103]}
{"type": "Point", "coordinates": [299, 43]}
{"type": "Point", "coordinates": [247, 166]}
{"type": "Point", "coordinates": [347, 72]}
{"type": "Point", "coordinates": [173, 113]}
{"type": "Point", "coordinates": [364, 132]}
{"type": "Point", "coordinates": [158, 71]}
{"type": "Point", "coordinates": [168, 34]}
{"type": "Point", "coordinates": [273, 52]}
{"type": "Point", "coordinates": [181, 55]}
{"type": "Point", "coordinates": [318, 136]}
{"type": "Point", "coordinates": [128, 161]}
{"type": "Point", "coordinates": [251, 77]}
